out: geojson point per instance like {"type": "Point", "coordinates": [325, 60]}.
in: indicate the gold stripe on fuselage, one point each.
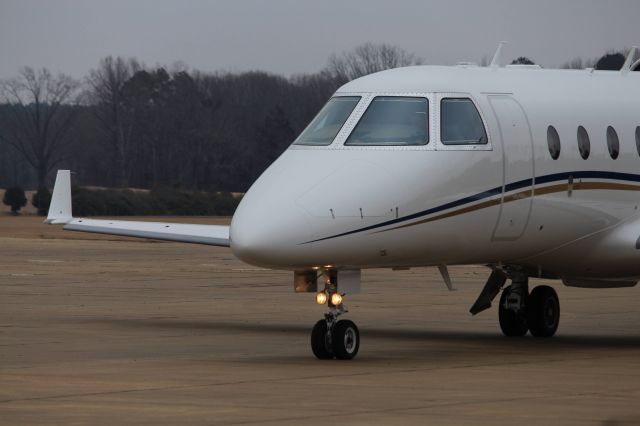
{"type": "Point", "coordinates": [577, 186]}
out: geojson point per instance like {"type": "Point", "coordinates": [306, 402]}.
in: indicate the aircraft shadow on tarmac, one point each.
{"type": "Point", "coordinates": [495, 340]}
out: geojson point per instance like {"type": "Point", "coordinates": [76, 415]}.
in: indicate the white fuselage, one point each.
{"type": "Point", "coordinates": [506, 201]}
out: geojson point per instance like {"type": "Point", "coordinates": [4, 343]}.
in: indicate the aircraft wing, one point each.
{"type": "Point", "coordinates": [60, 214]}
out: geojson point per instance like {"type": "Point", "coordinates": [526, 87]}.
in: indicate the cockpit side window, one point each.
{"type": "Point", "coordinates": [460, 123]}
{"type": "Point", "coordinates": [325, 126]}
{"type": "Point", "coordinates": [393, 120]}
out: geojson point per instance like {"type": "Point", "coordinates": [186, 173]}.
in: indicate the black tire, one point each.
{"type": "Point", "coordinates": [512, 324]}
{"type": "Point", "coordinates": [319, 341]}
{"type": "Point", "coordinates": [345, 338]}
{"type": "Point", "coordinates": [543, 311]}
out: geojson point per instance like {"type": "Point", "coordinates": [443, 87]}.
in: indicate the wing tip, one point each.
{"type": "Point", "coordinates": [60, 208]}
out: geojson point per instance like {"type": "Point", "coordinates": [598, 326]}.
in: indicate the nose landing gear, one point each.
{"type": "Point", "coordinates": [331, 338]}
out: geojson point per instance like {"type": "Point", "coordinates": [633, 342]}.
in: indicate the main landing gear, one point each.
{"type": "Point", "coordinates": [537, 312]}
{"type": "Point", "coordinates": [331, 338]}
{"type": "Point", "coordinates": [520, 311]}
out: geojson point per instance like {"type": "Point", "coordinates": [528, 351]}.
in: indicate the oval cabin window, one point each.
{"type": "Point", "coordinates": [553, 140]}
{"type": "Point", "coordinates": [613, 143]}
{"type": "Point", "coordinates": [584, 145]}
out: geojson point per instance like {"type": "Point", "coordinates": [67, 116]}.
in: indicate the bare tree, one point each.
{"type": "Point", "coordinates": [40, 112]}
{"type": "Point", "coordinates": [574, 64]}
{"type": "Point", "coordinates": [369, 58]}
{"type": "Point", "coordinates": [107, 98]}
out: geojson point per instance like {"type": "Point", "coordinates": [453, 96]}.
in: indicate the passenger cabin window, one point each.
{"type": "Point", "coordinates": [325, 126]}
{"type": "Point", "coordinates": [553, 140]}
{"type": "Point", "coordinates": [393, 120]}
{"type": "Point", "coordinates": [584, 145]}
{"type": "Point", "coordinates": [460, 123]}
{"type": "Point", "coordinates": [613, 143]}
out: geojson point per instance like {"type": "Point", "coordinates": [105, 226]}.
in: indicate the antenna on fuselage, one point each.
{"type": "Point", "coordinates": [629, 62]}
{"type": "Point", "coordinates": [497, 57]}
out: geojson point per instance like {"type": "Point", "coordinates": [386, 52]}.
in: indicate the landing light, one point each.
{"type": "Point", "coordinates": [321, 298]}
{"type": "Point", "coordinates": [336, 299]}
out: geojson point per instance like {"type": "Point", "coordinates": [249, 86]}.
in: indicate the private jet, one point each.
{"type": "Point", "coordinates": [531, 172]}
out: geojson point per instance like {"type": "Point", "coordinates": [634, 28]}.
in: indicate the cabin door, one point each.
{"type": "Point", "coordinates": [517, 167]}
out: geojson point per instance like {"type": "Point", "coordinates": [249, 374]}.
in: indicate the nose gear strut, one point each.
{"type": "Point", "coordinates": [330, 337]}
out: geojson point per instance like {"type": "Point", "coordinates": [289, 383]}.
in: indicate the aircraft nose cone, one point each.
{"type": "Point", "coordinates": [268, 233]}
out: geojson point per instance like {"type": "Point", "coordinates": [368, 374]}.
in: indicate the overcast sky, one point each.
{"type": "Point", "coordinates": [295, 36]}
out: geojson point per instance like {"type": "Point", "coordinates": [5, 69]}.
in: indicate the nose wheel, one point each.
{"type": "Point", "coordinates": [331, 338]}
{"type": "Point", "coordinates": [341, 341]}
{"type": "Point", "coordinates": [345, 339]}
{"type": "Point", "coordinates": [321, 341]}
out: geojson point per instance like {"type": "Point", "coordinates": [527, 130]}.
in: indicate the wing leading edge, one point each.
{"type": "Point", "coordinates": [60, 214]}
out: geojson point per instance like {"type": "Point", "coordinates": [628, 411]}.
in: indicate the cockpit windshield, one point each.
{"type": "Point", "coordinates": [393, 120]}
{"type": "Point", "coordinates": [326, 125]}
{"type": "Point", "coordinates": [461, 123]}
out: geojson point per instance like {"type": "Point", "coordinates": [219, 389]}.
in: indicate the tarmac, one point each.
{"type": "Point", "coordinates": [106, 330]}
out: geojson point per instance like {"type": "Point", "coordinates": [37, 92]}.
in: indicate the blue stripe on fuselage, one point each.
{"type": "Point", "coordinates": [492, 192]}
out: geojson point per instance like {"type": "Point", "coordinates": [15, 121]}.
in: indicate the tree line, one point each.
{"type": "Point", "coordinates": [128, 125]}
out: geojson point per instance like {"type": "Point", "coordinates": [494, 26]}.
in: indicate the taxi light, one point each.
{"type": "Point", "coordinates": [336, 299]}
{"type": "Point", "coordinates": [321, 298]}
